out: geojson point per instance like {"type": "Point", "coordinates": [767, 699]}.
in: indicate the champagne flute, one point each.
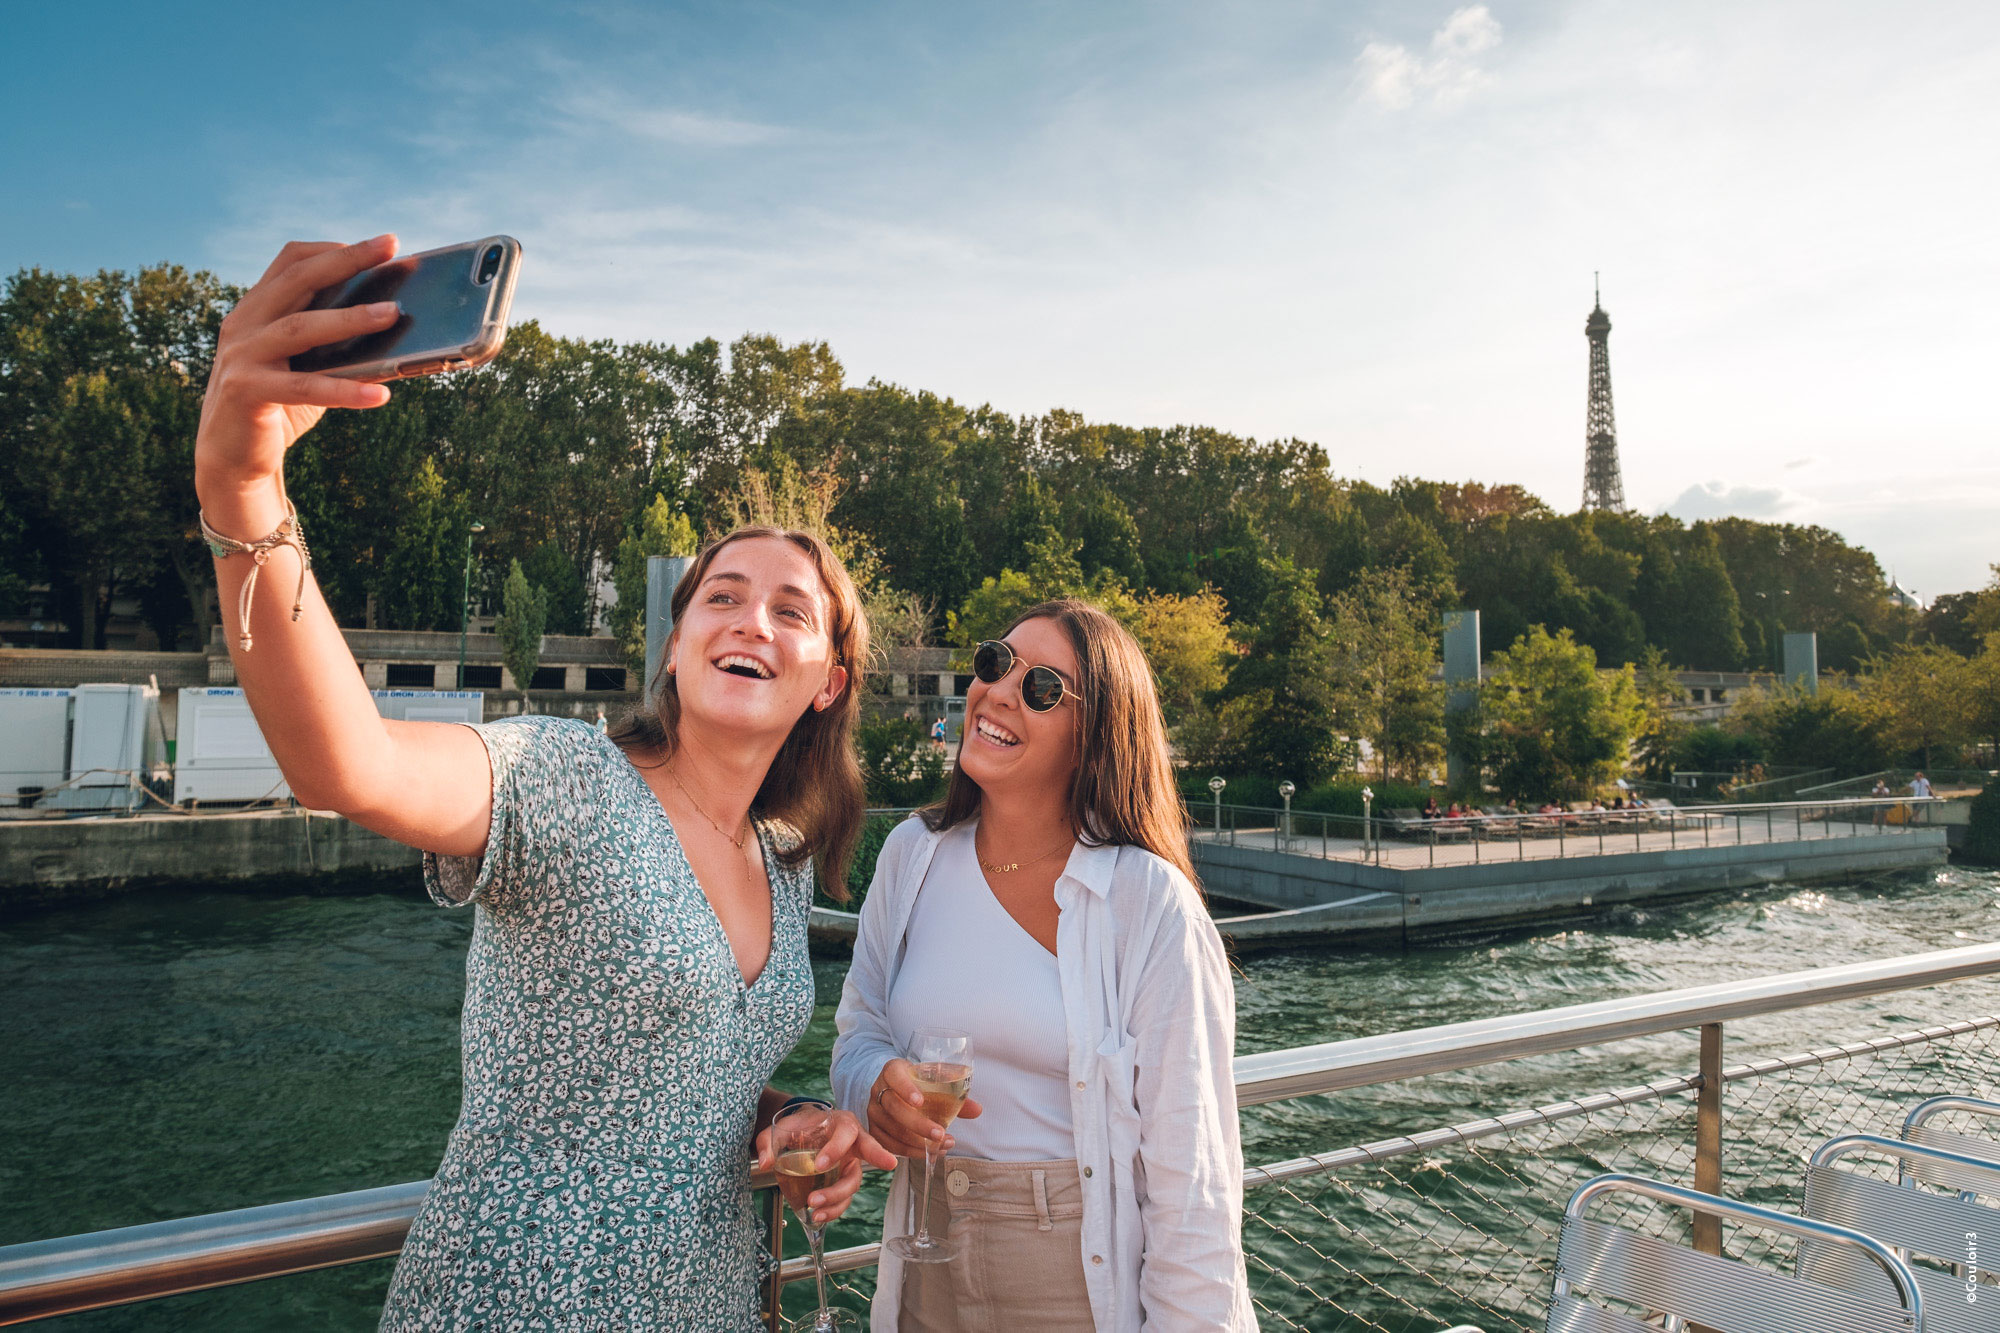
{"type": "Point", "coordinates": [941, 1066]}
{"type": "Point", "coordinates": [797, 1136]}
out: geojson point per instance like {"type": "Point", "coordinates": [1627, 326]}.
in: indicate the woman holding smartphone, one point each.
{"type": "Point", "coordinates": [1046, 911]}
{"type": "Point", "coordinates": [638, 961]}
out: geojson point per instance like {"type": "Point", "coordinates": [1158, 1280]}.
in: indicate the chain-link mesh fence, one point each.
{"type": "Point", "coordinates": [1459, 1224]}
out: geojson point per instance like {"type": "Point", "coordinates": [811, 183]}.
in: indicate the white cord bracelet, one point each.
{"type": "Point", "coordinates": [287, 533]}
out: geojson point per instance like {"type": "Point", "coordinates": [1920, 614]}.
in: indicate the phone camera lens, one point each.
{"type": "Point", "coordinates": [489, 264]}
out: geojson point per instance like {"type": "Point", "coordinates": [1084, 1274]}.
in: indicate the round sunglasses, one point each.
{"type": "Point", "coordinates": [1041, 688]}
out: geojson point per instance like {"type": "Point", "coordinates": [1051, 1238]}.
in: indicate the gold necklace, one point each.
{"type": "Point", "coordinates": [735, 841]}
{"type": "Point", "coordinates": [995, 868]}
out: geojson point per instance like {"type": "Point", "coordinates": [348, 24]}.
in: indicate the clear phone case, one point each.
{"type": "Point", "coordinates": [454, 303]}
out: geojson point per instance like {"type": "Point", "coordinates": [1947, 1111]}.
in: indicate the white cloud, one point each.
{"type": "Point", "coordinates": [664, 124]}
{"type": "Point", "coordinates": [1393, 76]}
{"type": "Point", "coordinates": [1719, 499]}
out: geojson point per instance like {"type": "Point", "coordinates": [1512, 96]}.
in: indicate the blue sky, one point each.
{"type": "Point", "coordinates": [1369, 225]}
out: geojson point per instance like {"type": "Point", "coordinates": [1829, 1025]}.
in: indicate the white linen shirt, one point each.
{"type": "Point", "coordinates": [1151, 1016]}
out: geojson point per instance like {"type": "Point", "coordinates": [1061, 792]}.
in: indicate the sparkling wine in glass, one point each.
{"type": "Point", "coordinates": [941, 1065]}
{"type": "Point", "coordinates": [797, 1136]}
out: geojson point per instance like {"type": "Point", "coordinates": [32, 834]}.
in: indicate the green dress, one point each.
{"type": "Point", "coordinates": [598, 1174]}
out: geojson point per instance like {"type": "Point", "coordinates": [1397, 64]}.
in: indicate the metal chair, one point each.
{"type": "Point", "coordinates": [1918, 1129]}
{"type": "Point", "coordinates": [1912, 1221]}
{"type": "Point", "coordinates": [1683, 1287]}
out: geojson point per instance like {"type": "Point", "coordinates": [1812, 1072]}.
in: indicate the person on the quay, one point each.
{"type": "Point", "coordinates": [638, 962]}
{"type": "Point", "coordinates": [1046, 908]}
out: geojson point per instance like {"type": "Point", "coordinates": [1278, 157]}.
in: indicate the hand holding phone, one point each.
{"type": "Point", "coordinates": [290, 350]}
{"type": "Point", "coordinates": [452, 308]}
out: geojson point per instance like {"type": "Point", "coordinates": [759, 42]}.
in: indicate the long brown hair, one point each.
{"type": "Point", "coordinates": [814, 783]}
{"type": "Point", "coordinates": [1123, 791]}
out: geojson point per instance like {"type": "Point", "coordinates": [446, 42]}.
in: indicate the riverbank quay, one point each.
{"type": "Point", "coordinates": [47, 861]}
{"type": "Point", "coordinates": [1444, 879]}
{"type": "Point", "coordinates": [1318, 888]}
{"type": "Point", "coordinates": [1312, 885]}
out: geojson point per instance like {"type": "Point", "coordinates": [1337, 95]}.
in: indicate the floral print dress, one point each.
{"type": "Point", "coordinates": [598, 1174]}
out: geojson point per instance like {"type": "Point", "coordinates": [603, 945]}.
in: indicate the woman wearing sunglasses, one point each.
{"type": "Point", "coordinates": [1046, 909]}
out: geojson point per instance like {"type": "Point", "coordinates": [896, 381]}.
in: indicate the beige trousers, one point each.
{"type": "Point", "coordinates": [1018, 1227]}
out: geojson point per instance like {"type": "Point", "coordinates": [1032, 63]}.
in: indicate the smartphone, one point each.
{"type": "Point", "coordinates": [454, 313]}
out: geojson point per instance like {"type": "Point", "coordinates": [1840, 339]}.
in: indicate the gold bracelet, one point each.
{"type": "Point", "coordinates": [287, 533]}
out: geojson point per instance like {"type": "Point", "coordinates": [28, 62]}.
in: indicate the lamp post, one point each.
{"type": "Point", "coordinates": [1285, 790]}
{"type": "Point", "coordinates": [465, 600]}
{"type": "Point", "coordinates": [1215, 786]}
{"type": "Point", "coordinates": [1367, 821]}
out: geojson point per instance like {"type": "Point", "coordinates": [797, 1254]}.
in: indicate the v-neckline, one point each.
{"type": "Point", "coordinates": [993, 895]}
{"type": "Point", "coordinates": [744, 985]}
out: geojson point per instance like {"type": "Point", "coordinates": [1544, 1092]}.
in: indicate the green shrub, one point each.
{"type": "Point", "coordinates": [899, 762]}
{"type": "Point", "coordinates": [1713, 750]}
{"type": "Point", "coordinates": [875, 831]}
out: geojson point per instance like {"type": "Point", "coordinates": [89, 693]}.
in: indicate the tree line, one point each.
{"type": "Point", "coordinates": [1273, 590]}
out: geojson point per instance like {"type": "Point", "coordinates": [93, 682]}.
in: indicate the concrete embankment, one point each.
{"type": "Point", "coordinates": [54, 860]}
{"type": "Point", "coordinates": [1349, 901]}
{"type": "Point", "coordinates": [1306, 898]}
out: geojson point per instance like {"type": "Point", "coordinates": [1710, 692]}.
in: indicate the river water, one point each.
{"type": "Point", "coordinates": [169, 1053]}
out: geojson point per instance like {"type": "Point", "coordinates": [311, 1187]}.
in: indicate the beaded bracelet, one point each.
{"type": "Point", "coordinates": [287, 533]}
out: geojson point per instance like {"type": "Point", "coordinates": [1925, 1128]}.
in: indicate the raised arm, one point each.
{"type": "Point", "coordinates": [425, 784]}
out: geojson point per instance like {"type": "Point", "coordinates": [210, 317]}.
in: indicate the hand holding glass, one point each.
{"type": "Point", "coordinates": [941, 1067]}
{"type": "Point", "coordinates": [798, 1137]}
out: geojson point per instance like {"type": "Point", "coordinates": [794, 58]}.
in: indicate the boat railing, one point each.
{"type": "Point", "coordinates": [1420, 1224]}
{"type": "Point", "coordinates": [1407, 840]}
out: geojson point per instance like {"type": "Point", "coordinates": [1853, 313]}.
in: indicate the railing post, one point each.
{"type": "Point", "coordinates": [1708, 1137]}
{"type": "Point", "coordinates": [774, 1287]}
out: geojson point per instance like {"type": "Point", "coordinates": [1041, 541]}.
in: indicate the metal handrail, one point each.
{"type": "Point", "coordinates": [1364, 1061]}
{"type": "Point", "coordinates": [50, 1277]}
{"type": "Point", "coordinates": [1701, 812]}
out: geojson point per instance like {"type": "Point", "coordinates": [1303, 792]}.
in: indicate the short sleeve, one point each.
{"type": "Point", "coordinates": [525, 757]}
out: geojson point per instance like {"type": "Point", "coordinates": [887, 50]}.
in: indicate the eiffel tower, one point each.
{"type": "Point", "coordinates": [1603, 487]}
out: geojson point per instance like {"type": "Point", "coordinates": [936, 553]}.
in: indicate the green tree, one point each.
{"type": "Point", "coordinates": [660, 530]}
{"type": "Point", "coordinates": [1547, 722]}
{"type": "Point", "coordinates": [523, 613]}
{"type": "Point", "coordinates": [423, 565]}
{"type": "Point", "coordinates": [1924, 695]}
{"type": "Point", "coordinates": [1663, 695]}
{"type": "Point", "coordinates": [100, 389]}
{"type": "Point", "coordinates": [549, 568]}
{"type": "Point", "coordinates": [1835, 728]}
{"type": "Point", "coordinates": [1384, 654]}
{"type": "Point", "coordinates": [1984, 671]}
{"type": "Point", "coordinates": [1286, 677]}
{"type": "Point", "coordinates": [1983, 617]}
{"type": "Point", "coordinates": [1052, 572]}
{"type": "Point", "coordinates": [1186, 639]}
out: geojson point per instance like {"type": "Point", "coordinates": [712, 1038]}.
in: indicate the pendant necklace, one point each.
{"type": "Point", "coordinates": [735, 840]}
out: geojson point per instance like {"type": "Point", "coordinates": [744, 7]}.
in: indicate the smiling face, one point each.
{"type": "Point", "coordinates": [1009, 746]}
{"type": "Point", "coordinates": [753, 648]}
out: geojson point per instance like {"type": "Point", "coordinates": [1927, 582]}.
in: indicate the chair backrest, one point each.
{"type": "Point", "coordinates": [1911, 1220]}
{"type": "Point", "coordinates": [1917, 1128]}
{"type": "Point", "coordinates": [1600, 1262]}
